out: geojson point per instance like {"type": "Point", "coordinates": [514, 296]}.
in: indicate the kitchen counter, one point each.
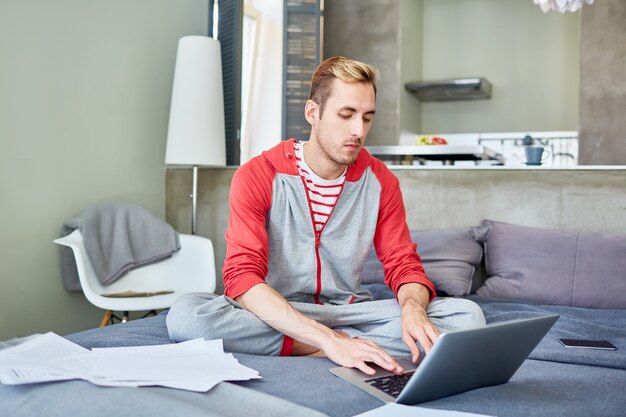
{"type": "Point", "coordinates": [447, 154]}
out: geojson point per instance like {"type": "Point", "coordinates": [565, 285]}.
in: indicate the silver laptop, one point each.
{"type": "Point", "coordinates": [460, 361]}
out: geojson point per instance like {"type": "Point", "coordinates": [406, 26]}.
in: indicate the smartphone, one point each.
{"type": "Point", "coordinates": [587, 344]}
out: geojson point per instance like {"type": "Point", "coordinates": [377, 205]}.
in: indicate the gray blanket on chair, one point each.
{"type": "Point", "coordinates": [118, 237]}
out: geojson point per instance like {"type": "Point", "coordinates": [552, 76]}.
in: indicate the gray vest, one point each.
{"type": "Point", "coordinates": [330, 271]}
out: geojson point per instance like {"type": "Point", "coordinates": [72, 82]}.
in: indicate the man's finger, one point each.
{"type": "Point", "coordinates": [364, 368]}
{"type": "Point", "coordinates": [430, 335]}
{"type": "Point", "coordinates": [377, 349]}
{"type": "Point", "coordinates": [433, 333]}
{"type": "Point", "coordinates": [385, 361]}
{"type": "Point", "coordinates": [424, 341]}
{"type": "Point", "coordinates": [410, 342]}
{"type": "Point", "coordinates": [381, 358]}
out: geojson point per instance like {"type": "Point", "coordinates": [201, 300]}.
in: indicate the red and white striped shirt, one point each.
{"type": "Point", "coordinates": [323, 194]}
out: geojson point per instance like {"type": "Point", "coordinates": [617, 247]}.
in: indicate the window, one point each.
{"type": "Point", "coordinates": [251, 22]}
{"type": "Point", "coordinates": [302, 44]}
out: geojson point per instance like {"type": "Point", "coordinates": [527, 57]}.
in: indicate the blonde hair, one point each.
{"type": "Point", "coordinates": [344, 69]}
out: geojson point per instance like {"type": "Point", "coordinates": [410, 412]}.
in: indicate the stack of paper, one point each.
{"type": "Point", "coordinates": [196, 365]}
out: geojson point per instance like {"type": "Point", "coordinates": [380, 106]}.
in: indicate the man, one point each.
{"type": "Point", "coordinates": [303, 218]}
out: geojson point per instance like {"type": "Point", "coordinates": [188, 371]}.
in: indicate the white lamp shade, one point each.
{"type": "Point", "coordinates": [196, 128]}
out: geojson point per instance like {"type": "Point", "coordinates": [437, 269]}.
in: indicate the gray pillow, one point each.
{"type": "Point", "coordinates": [554, 267]}
{"type": "Point", "coordinates": [450, 258]}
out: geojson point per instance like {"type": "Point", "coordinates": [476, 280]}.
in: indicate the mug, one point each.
{"type": "Point", "coordinates": [535, 155]}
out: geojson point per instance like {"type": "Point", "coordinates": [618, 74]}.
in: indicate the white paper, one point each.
{"type": "Point", "coordinates": [399, 410]}
{"type": "Point", "coordinates": [46, 347]}
{"type": "Point", "coordinates": [48, 357]}
{"type": "Point", "coordinates": [190, 346]}
{"type": "Point", "coordinates": [195, 365]}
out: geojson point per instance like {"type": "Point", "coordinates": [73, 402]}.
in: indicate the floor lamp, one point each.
{"type": "Point", "coordinates": [195, 135]}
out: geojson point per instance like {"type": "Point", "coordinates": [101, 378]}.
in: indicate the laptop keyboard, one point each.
{"type": "Point", "coordinates": [391, 384]}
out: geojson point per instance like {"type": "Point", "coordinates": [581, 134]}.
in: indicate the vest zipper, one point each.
{"type": "Point", "coordinates": [318, 236]}
{"type": "Point", "coordinates": [318, 261]}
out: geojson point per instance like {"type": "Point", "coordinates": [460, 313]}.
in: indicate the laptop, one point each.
{"type": "Point", "coordinates": [459, 361]}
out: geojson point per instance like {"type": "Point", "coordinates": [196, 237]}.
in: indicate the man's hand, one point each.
{"type": "Point", "coordinates": [416, 327]}
{"type": "Point", "coordinates": [355, 353]}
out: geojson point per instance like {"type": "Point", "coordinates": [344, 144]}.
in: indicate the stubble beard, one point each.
{"type": "Point", "coordinates": [334, 155]}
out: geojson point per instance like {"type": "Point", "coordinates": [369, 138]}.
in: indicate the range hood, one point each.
{"type": "Point", "coordinates": [476, 88]}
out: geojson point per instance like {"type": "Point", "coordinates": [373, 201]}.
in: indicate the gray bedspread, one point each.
{"type": "Point", "coordinates": [79, 398]}
{"type": "Point", "coordinates": [574, 323]}
{"type": "Point", "coordinates": [553, 382]}
{"type": "Point", "coordinates": [538, 389]}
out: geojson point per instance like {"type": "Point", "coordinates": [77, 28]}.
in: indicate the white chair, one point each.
{"type": "Point", "coordinates": [191, 269]}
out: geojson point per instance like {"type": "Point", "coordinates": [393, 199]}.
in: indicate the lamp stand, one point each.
{"type": "Point", "coordinates": [194, 199]}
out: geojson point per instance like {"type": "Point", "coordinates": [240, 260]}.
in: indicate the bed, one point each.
{"type": "Point", "coordinates": [553, 381]}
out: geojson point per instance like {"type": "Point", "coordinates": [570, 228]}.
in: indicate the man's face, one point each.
{"type": "Point", "coordinates": [341, 130]}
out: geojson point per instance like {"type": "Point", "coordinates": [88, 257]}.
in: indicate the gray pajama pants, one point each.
{"type": "Point", "coordinates": [210, 316]}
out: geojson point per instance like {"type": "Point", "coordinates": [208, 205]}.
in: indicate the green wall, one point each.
{"type": "Point", "coordinates": [531, 58]}
{"type": "Point", "coordinates": [411, 53]}
{"type": "Point", "coordinates": [84, 103]}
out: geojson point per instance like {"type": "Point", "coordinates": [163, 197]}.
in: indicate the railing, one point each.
{"type": "Point", "coordinates": [562, 146]}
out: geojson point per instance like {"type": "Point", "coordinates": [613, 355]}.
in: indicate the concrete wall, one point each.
{"type": "Point", "coordinates": [213, 208]}
{"type": "Point", "coordinates": [603, 83]}
{"type": "Point", "coordinates": [84, 102]}
{"type": "Point", "coordinates": [369, 31]}
{"type": "Point", "coordinates": [530, 57]}
{"type": "Point", "coordinates": [441, 198]}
